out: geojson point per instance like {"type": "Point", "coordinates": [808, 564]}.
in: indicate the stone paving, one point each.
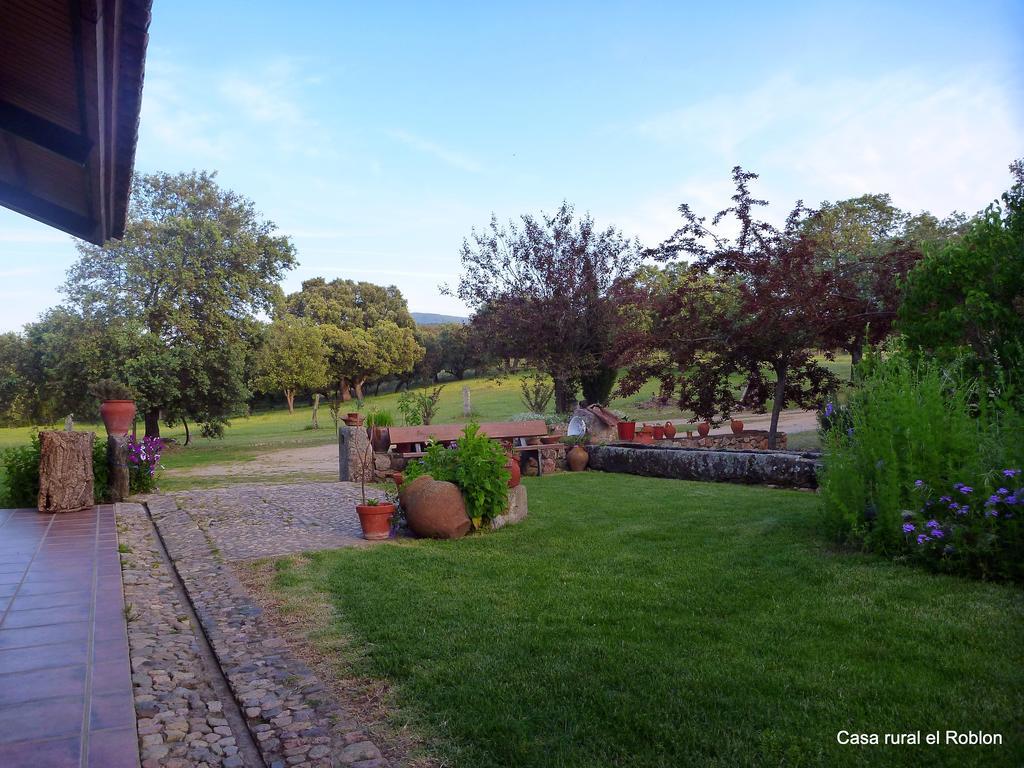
{"type": "Point", "coordinates": [65, 685]}
{"type": "Point", "coordinates": [286, 708]}
{"type": "Point", "coordinates": [247, 521]}
{"type": "Point", "coordinates": [181, 716]}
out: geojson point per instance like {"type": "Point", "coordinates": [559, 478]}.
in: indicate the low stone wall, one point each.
{"type": "Point", "coordinates": [784, 468]}
{"type": "Point", "coordinates": [747, 440]}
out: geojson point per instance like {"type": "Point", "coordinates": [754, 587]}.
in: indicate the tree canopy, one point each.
{"type": "Point", "coordinates": [195, 266]}
{"type": "Point", "coordinates": [292, 358]}
{"type": "Point", "coordinates": [540, 290]}
{"type": "Point", "coordinates": [349, 304]}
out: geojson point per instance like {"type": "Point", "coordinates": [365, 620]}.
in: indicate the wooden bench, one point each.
{"type": "Point", "coordinates": [411, 442]}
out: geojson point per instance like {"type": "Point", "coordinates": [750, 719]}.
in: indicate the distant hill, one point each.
{"type": "Point", "coordinates": [429, 318]}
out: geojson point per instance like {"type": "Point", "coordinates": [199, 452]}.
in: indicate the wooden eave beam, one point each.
{"type": "Point", "coordinates": [27, 126]}
{"type": "Point", "coordinates": [43, 210]}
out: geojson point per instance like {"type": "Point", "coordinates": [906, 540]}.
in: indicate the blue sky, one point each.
{"type": "Point", "coordinates": [377, 135]}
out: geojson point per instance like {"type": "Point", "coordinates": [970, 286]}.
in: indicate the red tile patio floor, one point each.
{"type": "Point", "coordinates": [65, 678]}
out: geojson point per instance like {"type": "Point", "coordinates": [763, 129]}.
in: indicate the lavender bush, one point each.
{"type": "Point", "coordinates": [144, 463]}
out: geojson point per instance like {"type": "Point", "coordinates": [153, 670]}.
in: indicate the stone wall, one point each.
{"type": "Point", "coordinates": [356, 460]}
{"type": "Point", "coordinates": [783, 468]}
{"type": "Point", "coordinates": [747, 440]}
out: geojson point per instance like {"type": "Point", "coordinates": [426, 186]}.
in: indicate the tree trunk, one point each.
{"type": "Point", "coordinates": [65, 471]}
{"type": "Point", "coordinates": [343, 391]}
{"type": "Point", "coordinates": [856, 351]}
{"type": "Point", "coordinates": [153, 422]}
{"type": "Point", "coordinates": [359, 389]}
{"type": "Point", "coordinates": [289, 395]}
{"type": "Point", "coordinates": [188, 434]}
{"type": "Point", "coordinates": [376, 389]}
{"type": "Point", "coordinates": [316, 409]}
{"type": "Point", "coordinates": [777, 402]}
{"type": "Point", "coordinates": [565, 396]}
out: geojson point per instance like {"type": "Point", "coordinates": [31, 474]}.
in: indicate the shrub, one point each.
{"type": "Point", "coordinates": [537, 391]}
{"type": "Point", "coordinates": [911, 427]}
{"type": "Point", "coordinates": [419, 407]}
{"type": "Point", "coordinates": [476, 465]}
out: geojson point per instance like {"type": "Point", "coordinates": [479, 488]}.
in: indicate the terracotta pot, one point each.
{"type": "Point", "coordinates": [644, 437]}
{"type": "Point", "coordinates": [380, 439]}
{"type": "Point", "coordinates": [117, 416]}
{"type": "Point", "coordinates": [515, 473]}
{"type": "Point", "coordinates": [550, 439]}
{"type": "Point", "coordinates": [399, 478]}
{"type": "Point", "coordinates": [577, 458]}
{"type": "Point", "coordinates": [659, 432]}
{"type": "Point", "coordinates": [670, 430]}
{"type": "Point", "coordinates": [375, 520]}
{"type": "Point", "coordinates": [626, 429]}
{"type": "Point", "coordinates": [737, 426]}
{"type": "Point", "coordinates": [353, 415]}
{"type": "Point", "coordinates": [703, 428]}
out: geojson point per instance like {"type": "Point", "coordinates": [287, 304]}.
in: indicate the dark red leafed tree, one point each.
{"type": "Point", "coordinates": [756, 305]}
{"type": "Point", "coordinates": [540, 290]}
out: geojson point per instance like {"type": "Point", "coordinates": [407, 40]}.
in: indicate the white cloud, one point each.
{"type": "Point", "coordinates": [449, 156]}
{"type": "Point", "coordinates": [933, 144]}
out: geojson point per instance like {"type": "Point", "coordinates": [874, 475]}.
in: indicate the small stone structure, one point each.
{"type": "Point", "coordinates": [356, 459]}
{"type": "Point", "coordinates": [517, 508]}
{"type": "Point", "coordinates": [784, 468]}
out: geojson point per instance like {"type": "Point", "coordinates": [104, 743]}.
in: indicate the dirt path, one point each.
{"type": "Point", "coordinates": [321, 460]}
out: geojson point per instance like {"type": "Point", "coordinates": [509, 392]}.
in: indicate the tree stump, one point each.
{"type": "Point", "coordinates": [65, 471]}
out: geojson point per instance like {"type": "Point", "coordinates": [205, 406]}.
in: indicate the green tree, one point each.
{"type": "Point", "coordinates": [967, 297]}
{"type": "Point", "coordinates": [195, 266]}
{"type": "Point", "coordinates": [293, 358]}
{"type": "Point", "coordinates": [13, 388]}
{"type": "Point", "coordinates": [357, 355]}
{"type": "Point", "coordinates": [348, 304]}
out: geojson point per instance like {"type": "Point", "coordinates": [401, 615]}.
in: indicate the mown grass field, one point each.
{"type": "Point", "coordinates": [643, 622]}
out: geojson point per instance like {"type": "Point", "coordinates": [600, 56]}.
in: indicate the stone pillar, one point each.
{"type": "Point", "coordinates": [355, 455]}
{"type": "Point", "coordinates": [65, 471]}
{"type": "Point", "coordinates": [117, 462]}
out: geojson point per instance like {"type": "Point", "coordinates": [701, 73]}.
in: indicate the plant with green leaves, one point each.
{"type": "Point", "coordinates": [379, 418]}
{"type": "Point", "coordinates": [21, 470]}
{"type": "Point", "coordinates": [420, 406]}
{"type": "Point", "coordinates": [537, 390]}
{"type": "Point", "coordinates": [476, 465]}
{"type": "Point", "coordinates": [293, 358]}
{"type": "Point", "coordinates": [109, 389]}
{"type": "Point", "coordinates": [909, 424]}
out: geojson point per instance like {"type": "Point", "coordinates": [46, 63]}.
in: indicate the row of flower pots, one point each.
{"type": "Point", "coordinates": [648, 433]}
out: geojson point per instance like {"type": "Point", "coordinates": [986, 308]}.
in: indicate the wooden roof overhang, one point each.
{"type": "Point", "coordinates": [70, 92]}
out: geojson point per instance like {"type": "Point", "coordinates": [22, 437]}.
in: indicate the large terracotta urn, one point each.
{"type": "Point", "coordinates": [514, 472]}
{"type": "Point", "coordinates": [577, 458]}
{"type": "Point", "coordinates": [737, 426]}
{"type": "Point", "coordinates": [704, 428]}
{"type": "Point", "coordinates": [437, 510]}
{"type": "Point", "coordinates": [117, 416]}
{"type": "Point", "coordinates": [670, 430]}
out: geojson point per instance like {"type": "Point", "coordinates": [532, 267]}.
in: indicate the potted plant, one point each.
{"type": "Point", "coordinates": [577, 457]}
{"type": "Point", "coordinates": [374, 515]}
{"type": "Point", "coordinates": [377, 424]}
{"type": "Point", "coordinates": [117, 406]}
{"type": "Point", "coordinates": [626, 430]}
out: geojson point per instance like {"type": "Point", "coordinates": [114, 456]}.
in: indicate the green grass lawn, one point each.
{"type": "Point", "coordinates": [644, 622]}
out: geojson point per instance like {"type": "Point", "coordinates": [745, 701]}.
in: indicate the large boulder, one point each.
{"type": "Point", "coordinates": [436, 510]}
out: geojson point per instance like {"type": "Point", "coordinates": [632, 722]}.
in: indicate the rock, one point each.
{"type": "Point", "coordinates": [436, 510]}
{"type": "Point", "coordinates": [517, 508]}
{"type": "Point", "coordinates": [362, 750]}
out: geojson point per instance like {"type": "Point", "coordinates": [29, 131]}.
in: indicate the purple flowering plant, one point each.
{"type": "Point", "coordinates": [144, 462]}
{"type": "Point", "coordinates": [985, 539]}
